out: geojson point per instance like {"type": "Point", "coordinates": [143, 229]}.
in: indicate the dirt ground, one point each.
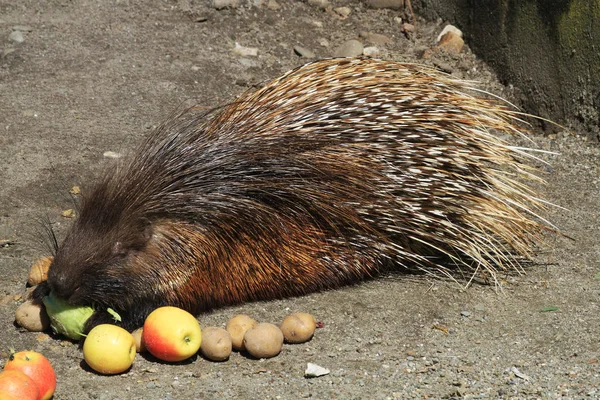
{"type": "Point", "coordinates": [91, 77]}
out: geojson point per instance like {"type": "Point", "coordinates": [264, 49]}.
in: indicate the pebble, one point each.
{"type": "Point", "coordinates": [6, 52]}
{"type": "Point", "coordinates": [351, 48]}
{"type": "Point", "coordinates": [273, 5]}
{"type": "Point", "coordinates": [371, 51]}
{"type": "Point", "coordinates": [16, 36]}
{"type": "Point", "coordinates": [391, 4]}
{"type": "Point", "coordinates": [22, 28]}
{"type": "Point", "coordinates": [451, 43]}
{"type": "Point", "coordinates": [449, 28]}
{"type": "Point", "coordinates": [221, 4]}
{"type": "Point", "coordinates": [407, 29]}
{"type": "Point", "coordinates": [245, 51]}
{"type": "Point", "coordinates": [375, 38]}
{"type": "Point", "coordinates": [323, 42]}
{"type": "Point", "coordinates": [322, 4]}
{"type": "Point", "coordinates": [343, 12]}
{"type": "Point", "coordinates": [314, 371]}
{"type": "Point", "coordinates": [465, 313]}
{"type": "Point", "coordinates": [304, 52]}
{"type": "Point", "coordinates": [111, 154]}
{"type": "Point", "coordinates": [29, 113]}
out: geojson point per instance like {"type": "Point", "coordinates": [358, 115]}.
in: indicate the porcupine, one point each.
{"type": "Point", "coordinates": [328, 175]}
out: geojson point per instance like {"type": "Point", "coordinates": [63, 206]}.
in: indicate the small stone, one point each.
{"type": "Point", "coordinates": [351, 48]}
{"type": "Point", "coordinates": [111, 154]}
{"type": "Point", "coordinates": [221, 4]}
{"type": "Point", "coordinates": [519, 374]}
{"type": "Point", "coordinates": [371, 51]}
{"type": "Point", "coordinates": [451, 43]}
{"type": "Point", "coordinates": [245, 51]}
{"type": "Point", "coordinates": [303, 52]}
{"type": "Point", "coordinates": [391, 4]}
{"type": "Point", "coordinates": [407, 29]}
{"type": "Point", "coordinates": [70, 213]}
{"type": "Point", "coordinates": [16, 36]}
{"type": "Point", "coordinates": [273, 5]}
{"type": "Point", "coordinates": [75, 190]}
{"type": "Point", "coordinates": [449, 28]}
{"type": "Point", "coordinates": [314, 371]}
{"type": "Point", "coordinates": [343, 12]}
{"type": "Point", "coordinates": [375, 38]}
{"type": "Point", "coordinates": [323, 42]}
{"type": "Point", "coordinates": [7, 51]}
{"type": "Point", "coordinates": [322, 4]}
{"type": "Point", "coordinates": [22, 28]}
{"type": "Point", "coordinates": [465, 313]}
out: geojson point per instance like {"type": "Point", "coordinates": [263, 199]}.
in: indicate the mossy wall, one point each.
{"type": "Point", "coordinates": [550, 49]}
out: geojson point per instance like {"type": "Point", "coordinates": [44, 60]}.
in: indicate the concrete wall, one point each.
{"type": "Point", "coordinates": [550, 49]}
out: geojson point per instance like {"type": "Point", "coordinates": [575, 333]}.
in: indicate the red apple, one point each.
{"type": "Point", "coordinates": [171, 334]}
{"type": "Point", "coordinates": [16, 385]}
{"type": "Point", "coordinates": [109, 349]}
{"type": "Point", "coordinates": [37, 367]}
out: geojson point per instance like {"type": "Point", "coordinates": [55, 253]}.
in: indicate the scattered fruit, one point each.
{"type": "Point", "coordinates": [264, 340]}
{"type": "Point", "coordinates": [109, 349]}
{"type": "Point", "coordinates": [171, 334]}
{"type": "Point", "coordinates": [39, 271]}
{"type": "Point", "coordinates": [66, 319]}
{"type": "Point", "coordinates": [32, 317]}
{"type": "Point", "coordinates": [16, 385]}
{"type": "Point", "coordinates": [38, 368]}
{"type": "Point", "coordinates": [298, 327]}
{"type": "Point", "coordinates": [139, 344]}
{"type": "Point", "coordinates": [237, 327]}
{"type": "Point", "coordinates": [216, 343]}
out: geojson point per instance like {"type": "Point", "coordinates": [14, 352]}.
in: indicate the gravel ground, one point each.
{"type": "Point", "coordinates": [90, 77]}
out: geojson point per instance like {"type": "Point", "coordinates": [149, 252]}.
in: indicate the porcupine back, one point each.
{"type": "Point", "coordinates": [325, 176]}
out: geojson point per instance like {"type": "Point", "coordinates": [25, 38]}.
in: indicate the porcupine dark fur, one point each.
{"type": "Point", "coordinates": [334, 172]}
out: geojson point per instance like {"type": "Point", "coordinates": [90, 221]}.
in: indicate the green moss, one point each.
{"type": "Point", "coordinates": [579, 33]}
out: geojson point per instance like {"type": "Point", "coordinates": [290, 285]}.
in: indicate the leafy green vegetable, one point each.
{"type": "Point", "coordinates": [114, 314]}
{"type": "Point", "coordinates": [66, 319]}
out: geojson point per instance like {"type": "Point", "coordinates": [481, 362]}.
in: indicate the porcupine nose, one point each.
{"type": "Point", "coordinates": [61, 285]}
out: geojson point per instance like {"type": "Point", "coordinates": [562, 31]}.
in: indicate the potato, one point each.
{"type": "Point", "coordinates": [39, 271]}
{"type": "Point", "coordinates": [139, 344]}
{"type": "Point", "coordinates": [298, 327]}
{"type": "Point", "coordinates": [216, 343]}
{"type": "Point", "coordinates": [32, 317]}
{"type": "Point", "coordinates": [264, 340]}
{"type": "Point", "coordinates": [237, 327]}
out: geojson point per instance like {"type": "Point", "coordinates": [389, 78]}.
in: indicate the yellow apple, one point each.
{"type": "Point", "coordinates": [171, 334]}
{"type": "Point", "coordinates": [109, 349]}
